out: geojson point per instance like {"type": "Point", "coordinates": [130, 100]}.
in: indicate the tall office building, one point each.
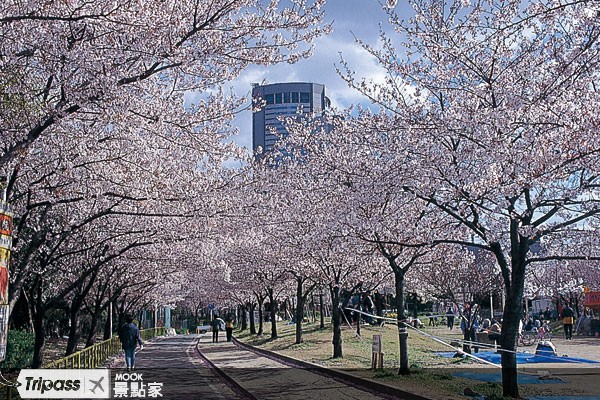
{"type": "Point", "coordinates": [282, 99]}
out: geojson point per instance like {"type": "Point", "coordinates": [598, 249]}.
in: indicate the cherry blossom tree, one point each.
{"type": "Point", "coordinates": [313, 228]}
{"type": "Point", "coordinates": [495, 104]}
{"type": "Point", "coordinates": [285, 231]}
{"type": "Point", "coordinates": [130, 63]}
{"type": "Point", "coordinates": [469, 275]}
{"type": "Point", "coordinates": [353, 157]}
{"type": "Point", "coordinates": [101, 124]}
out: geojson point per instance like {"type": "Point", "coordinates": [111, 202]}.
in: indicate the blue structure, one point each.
{"type": "Point", "coordinates": [167, 317]}
{"type": "Point", "coordinates": [282, 99]}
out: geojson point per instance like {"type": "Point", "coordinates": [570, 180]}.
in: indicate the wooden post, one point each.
{"type": "Point", "coordinates": [377, 355]}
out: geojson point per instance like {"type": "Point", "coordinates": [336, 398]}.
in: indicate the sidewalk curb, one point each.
{"type": "Point", "coordinates": [233, 385]}
{"type": "Point", "coordinates": [332, 373]}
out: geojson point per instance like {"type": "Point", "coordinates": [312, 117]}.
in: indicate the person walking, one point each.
{"type": "Point", "coordinates": [229, 327]}
{"type": "Point", "coordinates": [130, 338]}
{"type": "Point", "coordinates": [215, 329]}
{"type": "Point", "coordinates": [568, 318]}
{"type": "Point", "coordinates": [450, 318]}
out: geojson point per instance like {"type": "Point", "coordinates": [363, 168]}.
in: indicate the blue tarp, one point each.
{"type": "Point", "coordinates": [564, 398]}
{"type": "Point", "coordinates": [524, 358]}
{"type": "Point", "coordinates": [497, 377]}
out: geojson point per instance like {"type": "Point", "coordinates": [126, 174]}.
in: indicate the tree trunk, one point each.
{"type": "Point", "coordinates": [74, 332]}
{"type": "Point", "coordinates": [358, 318]}
{"type": "Point", "coordinates": [514, 281]}
{"type": "Point", "coordinates": [95, 321]}
{"type": "Point", "coordinates": [244, 319]}
{"type": "Point", "coordinates": [273, 313]}
{"type": "Point", "coordinates": [261, 316]}
{"type": "Point", "coordinates": [378, 306]}
{"type": "Point", "coordinates": [415, 308]}
{"type": "Point", "coordinates": [321, 310]}
{"type": "Point", "coordinates": [39, 342]}
{"type": "Point", "coordinates": [466, 334]}
{"type": "Point", "coordinates": [299, 310]}
{"type": "Point", "coordinates": [402, 330]}
{"type": "Point", "coordinates": [108, 326]}
{"type": "Point", "coordinates": [93, 328]}
{"type": "Point", "coordinates": [38, 312]}
{"type": "Point", "coordinates": [510, 332]}
{"type": "Point", "coordinates": [252, 322]}
{"type": "Point", "coordinates": [336, 319]}
{"type": "Point", "coordinates": [20, 316]}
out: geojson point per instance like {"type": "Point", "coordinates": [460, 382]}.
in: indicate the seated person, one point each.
{"type": "Point", "coordinates": [544, 331]}
{"type": "Point", "coordinates": [494, 331]}
{"type": "Point", "coordinates": [486, 324]}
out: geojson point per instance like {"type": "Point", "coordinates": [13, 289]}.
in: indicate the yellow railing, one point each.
{"type": "Point", "coordinates": [95, 355]}
{"type": "Point", "coordinates": [90, 357]}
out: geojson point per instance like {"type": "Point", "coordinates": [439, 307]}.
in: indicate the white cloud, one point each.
{"type": "Point", "coordinates": [350, 18]}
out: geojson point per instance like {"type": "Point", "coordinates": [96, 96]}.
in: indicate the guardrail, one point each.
{"type": "Point", "coordinates": [90, 357]}
{"type": "Point", "coordinates": [95, 355]}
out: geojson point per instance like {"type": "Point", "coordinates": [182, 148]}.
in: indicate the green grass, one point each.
{"type": "Point", "coordinates": [427, 369]}
{"type": "Point", "coordinates": [431, 375]}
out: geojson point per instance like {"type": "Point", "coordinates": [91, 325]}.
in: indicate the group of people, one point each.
{"type": "Point", "coordinates": [363, 302]}
{"type": "Point", "coordinates": [215, 325]}
{"type": "Point", "coordinates": [130, 336]}
{"type": "Point", "coordinates": [471, 323]}
{"type": "Point", "coordinates": [476, 323]}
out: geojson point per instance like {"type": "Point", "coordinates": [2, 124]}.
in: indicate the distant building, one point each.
{"type": "Point", "coordinates": [282, 99]}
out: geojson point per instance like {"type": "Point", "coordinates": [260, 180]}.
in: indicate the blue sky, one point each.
{"type": "Point", "coordinates": [350, 18]}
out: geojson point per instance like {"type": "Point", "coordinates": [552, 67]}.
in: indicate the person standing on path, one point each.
{"type": "Point", "coordinates": [130, 337]}
{"type": "Point", "coordinates": [229, 327]}
{"type": "Point", "coordinates": [568, 318]}
{"type": "Point", "coordinates": [215, 329]}
{"type": "Point", "coordinates": [450, 318]}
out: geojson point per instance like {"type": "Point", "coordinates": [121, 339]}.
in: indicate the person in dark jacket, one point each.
{"type": "Point", "coordinates": [568, 318]}
{"type": "Point", "coordinates": [215, 324]}
{"type": "Point", "coordinates": [130, 337]}
{"type": "Point", "coordinates": [450, 318]}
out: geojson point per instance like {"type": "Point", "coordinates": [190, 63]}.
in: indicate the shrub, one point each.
{"type": "Point", "coordinates": [19, 350]}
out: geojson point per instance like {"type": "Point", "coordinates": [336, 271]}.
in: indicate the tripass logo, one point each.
{"type": "Point", "coordinates": [64, 384]}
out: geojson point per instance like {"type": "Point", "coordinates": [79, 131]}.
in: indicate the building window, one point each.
{"type": "Point", "coordinates": [270, 99]}
{"type": "Point", "coordinates": [278, 98]}
{"type": "Point", "coordinates": [304, 97]}
{"type": "Point", "coordinates": [286, 97]}
{"type": "Point", "coordinates": [295, 97]}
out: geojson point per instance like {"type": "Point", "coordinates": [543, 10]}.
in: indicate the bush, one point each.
{"type": "Point", "coordinates": [19, 351]}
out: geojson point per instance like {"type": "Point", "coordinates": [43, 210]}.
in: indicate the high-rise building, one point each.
{"type": "Point", "coordinates": [282, 99]}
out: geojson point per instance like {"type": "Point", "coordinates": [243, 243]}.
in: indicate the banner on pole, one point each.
{"type": "Point", "coordinates": [6, 226]}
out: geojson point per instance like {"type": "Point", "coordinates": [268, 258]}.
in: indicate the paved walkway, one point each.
{"type": "Point", "coordinates": [174, 362]}
{"type": "Point", "coordinates": [266, 378]}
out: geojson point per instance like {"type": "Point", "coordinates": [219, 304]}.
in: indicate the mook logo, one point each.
{"type": "Point", "coordinates": [64, 384]}
{"type": "Point", "coordinates": [132, 385]}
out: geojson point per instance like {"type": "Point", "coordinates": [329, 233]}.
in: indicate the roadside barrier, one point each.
{"type": "Point", "coordinates": [437, 339]}
{"type": "Point", "coordinates": [90, 357]}
{"type": "Point", "coordinates": [95, 355]}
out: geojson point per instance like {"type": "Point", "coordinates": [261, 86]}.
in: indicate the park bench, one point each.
{"type": "Point", "coordinates": [482, 337]}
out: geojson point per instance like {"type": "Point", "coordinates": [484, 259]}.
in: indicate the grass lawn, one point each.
{"type": "Point", "coordinates": [431, 375]}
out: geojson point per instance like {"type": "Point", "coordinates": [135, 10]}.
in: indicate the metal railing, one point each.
{"type": "Point", "coordinates": [96, 355]}
{"type": "Point", "coordinates": [90, 357]}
